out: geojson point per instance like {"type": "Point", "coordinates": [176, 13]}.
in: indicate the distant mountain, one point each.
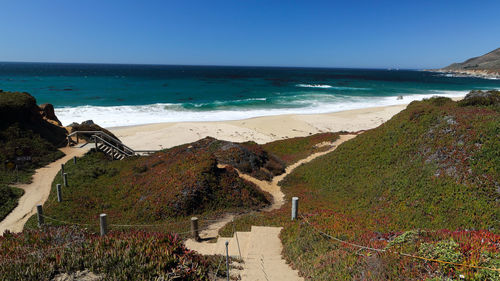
{"type": "Point", "coordinates": [485, 65]}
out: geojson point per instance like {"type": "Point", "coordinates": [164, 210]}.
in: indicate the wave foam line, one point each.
{"type": "Point", "coordinates": [324, 86]}
{"type": "Point", "coordinates": [113, 116]}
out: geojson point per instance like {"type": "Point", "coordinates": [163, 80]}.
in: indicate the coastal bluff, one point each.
{"type": "Point", "coordinates": [485, 66]}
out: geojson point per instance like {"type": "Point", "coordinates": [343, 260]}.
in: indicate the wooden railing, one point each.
{"type": "Point", "coordinates": [104, 141]}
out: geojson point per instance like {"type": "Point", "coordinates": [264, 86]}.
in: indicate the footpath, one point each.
{"type": "Point", "coordinates": [37, 192]}
{"type": "Point", "coordinates": [260, 248]}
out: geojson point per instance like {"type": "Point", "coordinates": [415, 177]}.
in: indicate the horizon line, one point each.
{"type": "Point", "coordinates": [221, 65]}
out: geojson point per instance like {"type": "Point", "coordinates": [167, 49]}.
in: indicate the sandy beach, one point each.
{"type": "Point", "coordinates": [260, 129]}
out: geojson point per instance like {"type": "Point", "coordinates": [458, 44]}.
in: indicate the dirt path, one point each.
{"type": "Point", "coordinates": [274, 189]}
{"type": "Point", "coordinates": [261, 246]}
{"type": "Point", "coordinates": [37, 192]}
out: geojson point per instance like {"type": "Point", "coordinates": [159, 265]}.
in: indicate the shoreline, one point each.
{"type": "Point", "coordinates": [484, 74]}
{"type": "Point", "coordinates": [259, 129]}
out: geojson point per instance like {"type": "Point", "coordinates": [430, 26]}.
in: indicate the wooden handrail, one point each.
{"type": "Point", "coordinates": [102, 135]}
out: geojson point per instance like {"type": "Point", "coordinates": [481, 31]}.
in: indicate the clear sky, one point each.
{"type": "Point", "coordinates": [356, 33]}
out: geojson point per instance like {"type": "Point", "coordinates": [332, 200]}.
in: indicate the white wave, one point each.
{"type": "Point", "coordinates": [314, 86]}
{"type": "Point", "coordinates": [321, 86]}
{"type": "Point", "coordinates": [113, 116]}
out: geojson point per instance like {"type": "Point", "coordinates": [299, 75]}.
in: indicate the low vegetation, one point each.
{"type": "Point", "coordinates": [8, 199]}
{"type": "Point", "coordinates": [27, 142]}
{"type": "Point", "coordinates": [294, 149]}
{"type": "Point", "coordinates": [399, 188]}
{"type": "Point", "coordinates": [422, 187]}
{"type": "Point", "coordinates": [168, 186]}
{"type": "Point", "coordinates": [131, 255]}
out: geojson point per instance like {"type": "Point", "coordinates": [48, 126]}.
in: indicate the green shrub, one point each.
{"type": "Point", "coordinates": [8, 199]}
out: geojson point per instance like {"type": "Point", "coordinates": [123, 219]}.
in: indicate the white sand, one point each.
{"type": "Point", "coordinates": [260, 130]}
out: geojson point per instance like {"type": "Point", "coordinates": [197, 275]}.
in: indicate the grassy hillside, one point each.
{"type": "Point", "coordinates": [27, 142]}
{"type": "Point", "coordinates": [424, 183]}
{"type": "Point", "coordinates": [133, 255]}
{"type": "Point", "coordinates": [293, 149]}
{"type": "Point", "coordinates": [167, 186]}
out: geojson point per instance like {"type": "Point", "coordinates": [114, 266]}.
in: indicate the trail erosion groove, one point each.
{"type": "Point", "coordinates": [261, 247]}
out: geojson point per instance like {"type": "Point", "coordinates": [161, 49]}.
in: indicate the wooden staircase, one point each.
{"type": "Point", "coordinates": [109, 145]}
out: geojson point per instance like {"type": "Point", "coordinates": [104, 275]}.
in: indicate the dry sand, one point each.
{"type": "Point", "coordinates": [260, 130]}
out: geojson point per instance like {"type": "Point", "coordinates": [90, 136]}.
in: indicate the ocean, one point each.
{"type": "Point", "coordinates": [120, 95]}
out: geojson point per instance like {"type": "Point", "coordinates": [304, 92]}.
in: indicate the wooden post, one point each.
{"type": "Point", "coordinates": [95, 141]}
{"type": "Point", "coordinates": [194, 229]}
{"type": "Point", "coordinates": [59, 193]}
{"type": "Point", "coordinates": [227, 259]}
{"type": "Point", "coordinates": [39, 211]}
{"type": "Point", "coordinates": [295, 207]}
{"type": "Point", "coordinates": [74, 160]}
{"type": "Point", "coordinates": [62, 170]}
{"type": "Point", "coordinates": [65, 179]}
{"type": "Point", "coordinates": [69, 141]}
{"type": "Point", "coordinates": [77, 139]}
{"type": "Point", "coordinates": [104, 224]}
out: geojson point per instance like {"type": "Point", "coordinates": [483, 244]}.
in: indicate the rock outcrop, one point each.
{"type": "Point", "coordinates": [20, 109]}
{"type": "Point", "coordinates": [48, 113]}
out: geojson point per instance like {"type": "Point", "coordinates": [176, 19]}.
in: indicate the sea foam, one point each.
{"type": "Point", "coordinates": [113, 116]}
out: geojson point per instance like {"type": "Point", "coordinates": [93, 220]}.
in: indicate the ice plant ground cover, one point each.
{"type": "Point", "coordinates": [131, 255]}
{"type": "Point", "coordinates": [424, 183]}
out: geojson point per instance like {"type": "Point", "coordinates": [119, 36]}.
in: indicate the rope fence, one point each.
{"type": "Point", "coordinates": [205, 225]}
{"type": "Point", "coordinates": [326, 235]}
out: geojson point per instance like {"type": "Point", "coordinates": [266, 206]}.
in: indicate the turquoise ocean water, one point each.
{"type": "Point", "coordinates": [118, 95]}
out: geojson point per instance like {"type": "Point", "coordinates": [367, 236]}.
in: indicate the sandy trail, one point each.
{"type": "Point", "coordinates": [261, 246]}
{"type": "Point", "coordinates": [38, 191]}
{"type": "Point", "coordinates": [272, 186]}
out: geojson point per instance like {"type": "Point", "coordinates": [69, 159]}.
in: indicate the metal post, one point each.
{"type": "Point", "coordinates": [39, 211]}
{"type": "Point", "coordinates": [194, 229]}
{"type": "Point", "coordinates": [74, 160]}
{"type": "Point", "coordinates": [295, 207]}
{"type": "Point", "coordinates": [59, 193]}
{"type": "Point", "coordinates": [227, 259]}
{"type": "Point", "coordinates": [104, 224]}
{"type": "Point", "coordinates": [65, 179]}
{"type": "Point", "coordinates": [62, 169]}
{"type": "Point", "coordinates": [237, 241]}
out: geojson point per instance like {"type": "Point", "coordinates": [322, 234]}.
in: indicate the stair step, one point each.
{"type": "Point", "coordinates": [243, 239]}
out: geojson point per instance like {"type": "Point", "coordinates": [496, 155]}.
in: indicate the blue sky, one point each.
{"type": "Point", "coordinates": [372, 34]}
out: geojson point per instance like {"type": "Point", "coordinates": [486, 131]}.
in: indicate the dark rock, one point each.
{"type": "Point", "coordinates": [47, 111]}
{"type": "Point", "coordinates": [21, 108]}
{"type": "Point", "coordinates": [88, 123]}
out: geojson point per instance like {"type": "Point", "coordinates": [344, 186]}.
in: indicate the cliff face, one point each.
{"type": "Point", "coordinates": [21, 109]}
{"type": "Point", "coordinates": [485, 65]}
